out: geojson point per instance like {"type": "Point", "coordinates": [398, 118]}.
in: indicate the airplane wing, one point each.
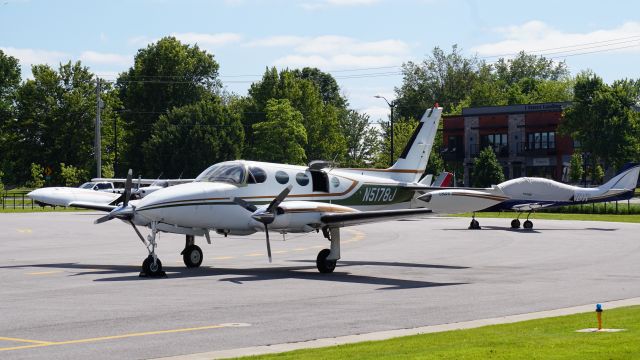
{"type": "Point", "coordinates": [92, 206]}
{"type": "Point", "coordinates": [144, 181]}
{"type": "Point", "coordinates": [365, 217]}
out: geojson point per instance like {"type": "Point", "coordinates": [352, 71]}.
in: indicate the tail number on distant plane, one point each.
{"type": "Point", "coordinates": [377, 194]}
{"type": "Point", "coordinates": [580, 196]}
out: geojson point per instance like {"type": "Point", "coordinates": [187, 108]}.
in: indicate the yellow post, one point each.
{"type": "Point", "coordinates": [599, 315]}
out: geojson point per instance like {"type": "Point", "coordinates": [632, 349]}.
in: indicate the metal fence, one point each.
{"type": "Point", "coordinates": [16, 200]}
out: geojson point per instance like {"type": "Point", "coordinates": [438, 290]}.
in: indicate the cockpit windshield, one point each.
{"type": "Point", "coordinates": [232, 173]}
{"type": "Point", "coordinates": [87, 185]}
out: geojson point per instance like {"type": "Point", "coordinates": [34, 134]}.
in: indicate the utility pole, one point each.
{"type": "Point", "coordinates": [98, 142]}
{"type": "Point", "coordinates": [392, 105]}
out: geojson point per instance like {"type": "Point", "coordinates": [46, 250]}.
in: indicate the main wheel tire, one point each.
{"type": "Point", "coordinates": [192, 256]}
{"type": "Point", "coordinates": [325, 266]}
{"type": "Point", "coordinates": [151, 268]}
{"type": "Point", "coordinates": [528, 224]}
{"type": "Point", "coordinates": [475, 225]}
{"type": "Point", "coordinates": [515, 224]}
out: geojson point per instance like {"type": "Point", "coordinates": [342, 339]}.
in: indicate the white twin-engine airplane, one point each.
{"type": "Point", "coordinates": [243, 197]}
{"type": "Point", "coordinates": [528, 194]}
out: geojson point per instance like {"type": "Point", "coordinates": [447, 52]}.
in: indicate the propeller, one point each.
{"type": "Point", "coordinates": [117, 212]}
{"type": "Point", "coordinates": [266, 216]}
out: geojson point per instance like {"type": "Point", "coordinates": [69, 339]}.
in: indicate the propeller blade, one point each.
{"type": "Point", "coordinates": [266, 231]}
{"type": "Point", "coordinates": [105, 218]}
{"type": "Point", "coordinates": [275, 202]}
{"type": "Point", "coordinates": [244, 204]}
{"type": "Point", "coordinates": [127, 188]}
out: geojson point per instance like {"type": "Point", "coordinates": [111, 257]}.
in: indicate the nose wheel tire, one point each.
{"type": "Point", "coordinates": [527, 224]}
{"type": "Point", "coordinates": [192, 256]}
{"type": "Point", "coordinates": [152, 268]}
{"type": "Point", "coordinates": [325, 266]}
{"type": "Point", "coordinates": [474, 225]}
{"type": "Point", "coordinates": [515, 224]}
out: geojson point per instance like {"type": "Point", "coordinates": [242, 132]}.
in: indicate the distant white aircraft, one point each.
{"type": "Point", "coordinates": [528, 194]}
{"type": "Point", "coordinates": [95, 191]}
{"type": "Point", "coordinates": [98, 190]}
{"type": "Point", "coordinates": [242, 197]}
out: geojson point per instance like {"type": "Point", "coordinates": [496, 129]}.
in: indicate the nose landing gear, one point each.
{"type": "Point", "coordinates": [151, 266]}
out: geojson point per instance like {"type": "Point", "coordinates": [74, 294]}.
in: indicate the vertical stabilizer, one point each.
{"type": "Point", "coordinates": [413, 159]}
{"type": "Point", "coordinates": [627, 180]}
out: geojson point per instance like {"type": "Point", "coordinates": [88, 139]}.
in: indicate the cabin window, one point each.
{"type": "Point", "coordinates": [282, 177]}
{"type": "Point", "coordinates": [229, 173]}
{"type": "Point", "coordinates": [302, 179]}
{"type": "Point", "coordinates": [256, 175]}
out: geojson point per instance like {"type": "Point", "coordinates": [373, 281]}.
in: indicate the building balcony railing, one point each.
{"type": "Point", "coordinates": [499, 150]}
{"type": "Point", "coordinates": [538, 148]}
{"type": "Point", "coordinates": [452, 154]}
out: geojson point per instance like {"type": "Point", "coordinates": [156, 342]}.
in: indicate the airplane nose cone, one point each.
{"type": "Point", "coordinates": [52, 196]}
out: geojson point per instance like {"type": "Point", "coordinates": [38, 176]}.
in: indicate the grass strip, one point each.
{"type": "Point", "coordinates": [550, 338]}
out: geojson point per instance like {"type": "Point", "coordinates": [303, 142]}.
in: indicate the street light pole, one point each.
{"type": "Point", "coordinates": [392, 105]}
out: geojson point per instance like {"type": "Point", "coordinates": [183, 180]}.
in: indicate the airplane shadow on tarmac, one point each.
{"type": "Point", "coordinates": [528, 231]}
{"type": "Point", "coordinates": [241, 276]}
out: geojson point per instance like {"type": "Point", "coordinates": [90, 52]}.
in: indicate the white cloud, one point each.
{"type": "Point", "coordinates": [537, 35]}
{"type": "Point", "coordinates": [332, 52]}
{"type": "Point", "coordinates": [29, 57]}
{"type": "Point", "coordinates": [141, 40]}
{"type": "Point", "coordinates": [94, 57]}
{"type": "Point", "coordinates": [208, 40]}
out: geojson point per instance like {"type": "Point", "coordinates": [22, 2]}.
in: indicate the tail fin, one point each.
{"type": "Point", "coordinates": [415, 155]}
{"type": "Point", "coordinates": [627, 180]}
{"type": "Point", "coordinates": [443, 180]}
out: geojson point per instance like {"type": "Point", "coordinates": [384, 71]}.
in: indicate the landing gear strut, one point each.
{"type": "Point", "coordinates": [192, 254]}
{"type": "Point", "coordinates": [152, 266]}
{"type": "Point", "coordinates": [474, 225]}
{"type": "Point", "coordinates": [327, 258]}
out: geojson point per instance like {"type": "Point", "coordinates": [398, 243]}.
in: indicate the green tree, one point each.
{"type": "Point", "coordinates": [576, 167]}
{"type": "Point", "coordinates": [37, 176]}
{"type": "Point", "coordinates": [55, 120]}
{"type": "Point", "coordinates": [9, 83]}
{"type": "Point", "coordinates": [602, 117]}
{"type": "Point", "coordinates": [363, 140]}
{"type": "Point", "coordinates": [73, 176]}
{"type": "Point", "coordinates": [402, 130]}
{"type": "Point", "coordinates": [597, 174]}
{"type": "Point", "coordinates": [486, 169]}
{"type": "Point", "coordinates": [282, 137]}
{"type": "Point", "coordinates": [191, 138]}
{"type": "Point", "coordinates": [321, 120]}
{"type": "Point", "coordinates": [165, 75]}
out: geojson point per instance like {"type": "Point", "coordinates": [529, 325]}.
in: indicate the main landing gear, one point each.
{"type": "Point", "coordinates": [474, 225]}
{"type": "Point", "coordinates": [328, 258]}
{"type": "Point", "coordinates": [192, 254]}
{"type": "Point", "coordinates": [528, 224]}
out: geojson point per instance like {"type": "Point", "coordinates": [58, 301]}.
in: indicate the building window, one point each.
{"type": "Point", "coordinates": [498, 142]}
{"type": "Point", "coordinates": [541, 140]}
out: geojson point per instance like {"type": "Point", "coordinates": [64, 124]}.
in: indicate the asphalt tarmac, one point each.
{"type": "Point", "coordinates": [70, 289]}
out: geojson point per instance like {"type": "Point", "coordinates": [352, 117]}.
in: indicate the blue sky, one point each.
{"type": "Point", "coordinates": [361, 42]}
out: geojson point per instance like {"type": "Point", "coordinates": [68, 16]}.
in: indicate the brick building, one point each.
{"type": "Point", "coordinates": [523, 137]}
